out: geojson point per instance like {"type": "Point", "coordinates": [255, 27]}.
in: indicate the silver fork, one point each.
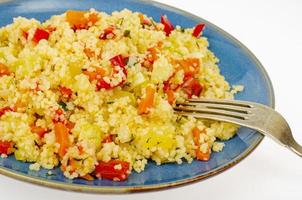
{"type": "Point", "coordinates": [249, 114]}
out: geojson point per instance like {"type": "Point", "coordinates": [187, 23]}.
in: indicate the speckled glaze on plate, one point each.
{"type": "Point", "coordinates": [237, 64]}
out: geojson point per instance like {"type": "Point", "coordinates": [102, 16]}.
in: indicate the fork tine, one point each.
{"type": "Point", "coordinates": [221, 101]}
{"type": "Point", "coordinates": [226, 107]}
{"type": "Point", "coordinates": [211, 111]}
{"type": "Point", "coordinates": [212, 117]}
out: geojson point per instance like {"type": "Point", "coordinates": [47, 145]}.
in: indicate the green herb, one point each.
{"type": "Point", "coordinates": [63, 105]}
{"type": "Point", "coordinates": [121, 22]}
{"type": "Point", "coordinates": [110, 102]}
{"type": "Point", "coordinates": [182, 30]}
{"type": "Point", "coordinates": [127, 33]}
{"type": "Point", "coordinates": [48, 174]}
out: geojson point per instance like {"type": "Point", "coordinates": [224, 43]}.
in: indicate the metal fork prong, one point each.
{"type": "Point", "coordinates": [217, 106]}
{"type": "Point", "coordinates": [211, 111]}
{"type": "Point", "coordinates": [220, 101]}
{"type": "Point", "coordinates": [211, 117]}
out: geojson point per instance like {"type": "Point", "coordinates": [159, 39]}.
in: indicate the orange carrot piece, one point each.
{"type": "Point", "coordinates": [62, 132]}
{"type": "Point", "coordinates": [95, 75]}
{"type": "Point", "coordinates": [147, 102]}
{"type": "Point", "coordinates": [78, 20]}
{"type": "Point", "coordinates": [4, 70]}
{"type": "Point", "coordinates": [199, 154]}
{"type": "Point", "coordinates": [38, 130]}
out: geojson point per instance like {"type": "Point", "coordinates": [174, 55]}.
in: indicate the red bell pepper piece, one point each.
{"type": "Point", "coordinates": [116, 170]}
{"type": "Point", "coordinates": [107, 33]}
{"type": "Point", "coordinates": [39, 35]}
{"type": "Point", "coordinates": [168, 26]}
{"type": "Point", "coordinates": [192, 87]}
{"type": "Point", "coordinates": [5, 109]}
{"type": "Point", "coordinates": [5, 147]}
{"type": "Point", "coordinates": [197, 30]}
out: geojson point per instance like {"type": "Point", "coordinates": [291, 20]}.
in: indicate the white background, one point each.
{"type": "Point", "coordinates": [272, 30]}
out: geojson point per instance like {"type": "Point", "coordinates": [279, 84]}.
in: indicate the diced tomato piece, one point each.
{"type": "Point", "coordinates": [168, 26]}
{"type": "Point", "coordinates": [6, 147]}
{"type": "Point", "coordinates": [197, 30]}
{"type": "Point", "coordinates": [5, 109]}
{"type": "Point", "coordinates": [116, 170]}
{"type": "Point", "coordinates": [107, 139]}
{"type": "Point", "coordinates": [38, 130]}
{"type": "Point", "coordinates": [107, 33]}
{"type": "Point", "coordinates": [62, 133]}
{"type": "Point", "coordinates": [146, 103]}
{"type": "Point", "coordinates": [65, 92]}
{"type": "Point", "coordinates": [192, 87]}
{"type": "Point", "coordinates": [40, 34]}
{"type": "Point", "coordinates": [4, 70]}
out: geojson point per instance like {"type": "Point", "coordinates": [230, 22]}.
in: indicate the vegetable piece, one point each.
{"type": "Point", "coordinates": [170, 96]}
{"type": "Point", "coordinates": [38, 130]}
{"type": "Point", "coordinates": [62, 133]}
{"type": "Point", "coordinates": [126, 33]}
{"type": "Point", "coordinates": [192, 87]}
{"type": "Point", "coordinates": [168, 26]}
{"type": "Point", "coordinates": [5, 109]}
{"type": "Point", "coordinates": [40, 34]}
{"type": "Point", "coordinates": [107, 33]}
{"type": "Point", "coordinates": [197, 30]}
{"type": "Point", "coordinates": [107, 139]}
{"type": "Point", "coordinates": [144, 20]}
{"type": "Point", "coordinates": [63, 105]}
{"type": "Point", "coordinates": [152, 55]}
{"type": "Point", "coordinates": [146, 103]}
{"type": "Point", "coordinates": [78, 20]}
{"type": "Point", "coordinates": [190, 66]}
{"type": "Point", "coordinates": [89, 53]}
{"type": "Point", "coordinates": [6, 147]}
{"type": "Point", "coordinates": [103, 84]}
{"type": "Point", "coordinates": [65, 92]}
{"type": "Point", "coordinates": [199, 154]}
{"type": "Point", "coordinates": [4, 70]}
{"type": "Point", "coordinates": [118, 61]}
{"type": "Point", "coordinates": [95, 75]}
{"type": "Point", "coordinates": [115, 170]}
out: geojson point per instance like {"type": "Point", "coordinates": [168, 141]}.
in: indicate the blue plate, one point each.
{"type": "Point", "coordinates": [237, 64]}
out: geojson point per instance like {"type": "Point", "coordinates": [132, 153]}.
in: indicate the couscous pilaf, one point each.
{"type": "Point", "coordinates": [93, 93]}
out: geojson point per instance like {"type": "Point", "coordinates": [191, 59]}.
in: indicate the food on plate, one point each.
{"type": "Point", "coordinates": [93, 93]}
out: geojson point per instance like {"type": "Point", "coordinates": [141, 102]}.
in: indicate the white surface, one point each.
{"type": "Point", "coordinates": [272, 30]}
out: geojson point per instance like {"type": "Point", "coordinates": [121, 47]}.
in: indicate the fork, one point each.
{"type": "Point", "coordinates": [249, 114]}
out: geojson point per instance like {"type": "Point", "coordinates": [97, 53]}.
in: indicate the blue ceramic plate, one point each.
{"type": "Point", "coordinates": [237, 64]}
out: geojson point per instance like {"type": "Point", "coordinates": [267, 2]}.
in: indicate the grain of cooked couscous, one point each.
{"type": "Point", "coordinates": [93, 93]}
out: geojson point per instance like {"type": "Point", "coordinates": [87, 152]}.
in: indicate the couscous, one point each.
{"type": "Point", "coordinates": [93, 93]}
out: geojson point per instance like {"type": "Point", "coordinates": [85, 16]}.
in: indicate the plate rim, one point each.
{"type": "Point", "coordinates": [127, 189]}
